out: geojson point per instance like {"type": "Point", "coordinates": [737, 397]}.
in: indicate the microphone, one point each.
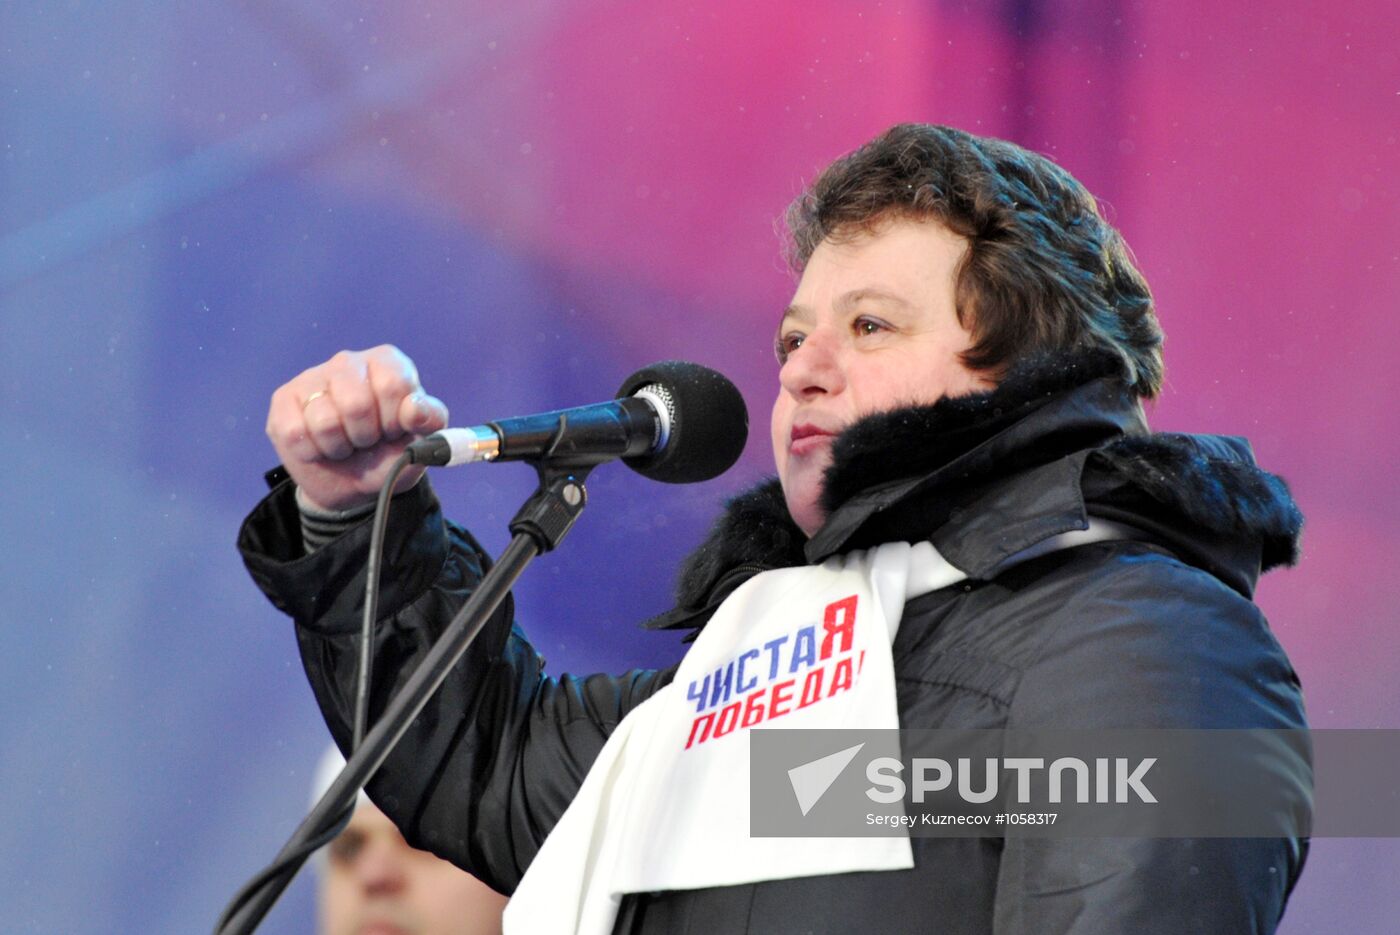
{"type": "Point", "coordinates": [674, 421]}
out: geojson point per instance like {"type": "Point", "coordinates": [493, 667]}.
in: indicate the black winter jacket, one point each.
{"type": "Point", "coordinates": [1156, 632]}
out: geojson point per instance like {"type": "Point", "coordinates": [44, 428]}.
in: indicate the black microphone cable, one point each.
{"type": "Point", "coordinates": [287, 865]}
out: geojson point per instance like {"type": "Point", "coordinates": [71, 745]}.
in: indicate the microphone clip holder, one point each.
{"type": "Point", "coordinates": [550, 512]}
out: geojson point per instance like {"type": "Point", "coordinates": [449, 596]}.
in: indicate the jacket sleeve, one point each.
{"type": "Point", "coordinates": [1153, 644]}
{"type": "Point", "coordinates": [488, 767]}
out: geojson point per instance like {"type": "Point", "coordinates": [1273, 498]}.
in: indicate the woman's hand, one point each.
{"type": "Point", "coordinates": [338, 426]}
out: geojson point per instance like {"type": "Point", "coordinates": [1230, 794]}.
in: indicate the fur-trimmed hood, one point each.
{"type": "Point", "coordinates": [987, 475]}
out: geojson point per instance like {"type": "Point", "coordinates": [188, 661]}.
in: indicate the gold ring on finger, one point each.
{"type": "Point", "coordinates": [312, 398]}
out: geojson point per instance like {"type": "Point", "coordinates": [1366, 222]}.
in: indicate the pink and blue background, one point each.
{"type": "Point", "coordinates": [532, 200]}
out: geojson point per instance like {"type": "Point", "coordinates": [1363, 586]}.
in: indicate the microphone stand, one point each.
{"type": "Point", "coordinates": [539, 526]}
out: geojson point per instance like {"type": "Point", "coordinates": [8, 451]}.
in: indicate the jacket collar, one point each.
{"type": "Point", "coordinates": [987, 475]}
{"type": "Point", "coordinates": [937, 461]}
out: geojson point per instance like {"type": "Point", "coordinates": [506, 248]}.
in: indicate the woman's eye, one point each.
{"type": "Point", "coordinates": [865, 326]}
{"type": "Point", "coordinates": [785, 345]}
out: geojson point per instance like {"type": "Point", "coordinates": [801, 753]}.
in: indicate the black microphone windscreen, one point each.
{"type": "Point", "coordinates": [709, 422]}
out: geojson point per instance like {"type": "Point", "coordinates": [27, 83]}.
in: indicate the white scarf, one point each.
{"type": "Point", "coordinates": [666, 804]}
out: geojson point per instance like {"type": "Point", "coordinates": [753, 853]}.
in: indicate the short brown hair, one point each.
{"type": "Point", "coordinates": [1043, 271]}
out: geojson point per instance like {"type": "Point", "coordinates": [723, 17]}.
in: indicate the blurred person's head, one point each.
{"type": "Point", "coordinates": [373, 883]}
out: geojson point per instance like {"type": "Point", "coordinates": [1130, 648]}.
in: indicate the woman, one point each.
{"type": "Point", "coordinates": [962, 366]}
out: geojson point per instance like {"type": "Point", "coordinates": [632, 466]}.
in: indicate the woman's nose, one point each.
{"type": "Point", "coordinates": [814, 368]}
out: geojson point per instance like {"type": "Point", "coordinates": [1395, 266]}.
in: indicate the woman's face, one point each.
{"type": "Point", "coordinates": [872, 327]}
